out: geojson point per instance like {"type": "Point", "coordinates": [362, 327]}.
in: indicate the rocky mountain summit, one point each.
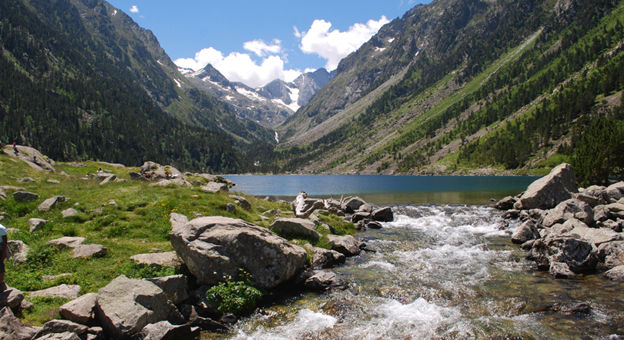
{"type": "Point", "coordinates": [269, 105]}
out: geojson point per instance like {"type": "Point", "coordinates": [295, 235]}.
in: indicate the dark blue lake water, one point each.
{"type": "Point", "coordinates": [383, 189]}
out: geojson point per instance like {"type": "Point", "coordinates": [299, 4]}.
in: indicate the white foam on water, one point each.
{"type": "Point", "coordinates": [379, 265]}
{"type": "Point", "coordinates": [306, 325]}
{"type": "Point", "coordinates": [417, 320]}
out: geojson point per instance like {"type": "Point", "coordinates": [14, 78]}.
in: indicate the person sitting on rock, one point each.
{"type": "Point", "coordinates": [4, 244]}
{"type": "Point", "coordinates": [15, 149]}
{"type": "Point", "coordinates": [34, 160]}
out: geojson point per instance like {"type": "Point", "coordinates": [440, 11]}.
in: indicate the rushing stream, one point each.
{"type": "Point", "coordinates": [443, 272]}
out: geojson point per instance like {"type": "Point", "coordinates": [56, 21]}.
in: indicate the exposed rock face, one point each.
{"type": "Point", "coordinates": [62, 326]}
{"type": "Point", "coordinates": [166, 259]}
{"type": "Point", "coordinates": [214, 187]}
{"type": "Point", "coordinates": [346, 245]}
{"type": "Point", "coordinates": [550, 190]}
{"type": "Point", "coordinates": [352, 204]}
{"type": "Point", "coordinates": [50, 203]}
{"type": "Point", "coordinates": [125, 306]}
{"type": "Point", "coordinates": [36, 224]}
{"type": "Point", "coordinates": [295, 228]}
{"type": "Point", "coordinates": [12, 328]}
{"type": "Point", "coordinates": [25, 196]}
{"type": "Point", "coordinates": [212, 247]}
{"type": "Point", "coordinates": [80, 310]}
{"type": "Point", "coordinates": [19, 251]}
{"type": "Point", "coordinates": [174, 286]}
{"type": "Point", "coordinates": [63, 291]}
{"type": "Point", "coordinates": [383, 214]}
{"type": "Point", "coordinates": [165, 330]}
{"type": "Point", "coordinates": [89, 250]}
{"type": "Point", "coordinates": [67, 241]}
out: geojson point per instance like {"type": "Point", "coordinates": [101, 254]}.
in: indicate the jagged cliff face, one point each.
{"type": "Point", "coordinates": [269, 105]}
{"type": "Point", "coordinates": [445, 86]}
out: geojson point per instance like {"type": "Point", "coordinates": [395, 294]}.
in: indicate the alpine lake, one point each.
{"type": "Point", "coordinates": [445, 268]}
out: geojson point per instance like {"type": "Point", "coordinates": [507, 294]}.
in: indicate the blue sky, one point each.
{"type": "Point", "coordinates": [257, 41]}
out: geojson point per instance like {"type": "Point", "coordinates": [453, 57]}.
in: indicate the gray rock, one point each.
{"type": "Point", "coordinates": [230, 207]}
{"type": "Point", "coordinates": [164, 330]}
{"type": "Point", "coordinates": [325, 258]}
{"type": "Point", "coordinates": [589, 199]}
{"type": "Point", "coordinates": [214, 187]}
{"type": "Point", "coordinates": [569, 209]}
{"type": "Point", "coordinates": [601, 213]}
{"type": "Point", "coordinates": [50, 203]}
{"type": "Point", "coordinates": [506, 203]}
{"type": "Point", "coordinates": [125, 306]}
{"type": "Point", "coordinates": [241, 201]}
{"type": "Point", "coordinates": [360, 216]}
{"type": "Point", "coordinates": [611, 254]}
{"type": "Point", "coordinates": [25, 180]}
{"type": "Point", "coordinates": [346, 245]}
{"type": "Point", "coordinates": [89, 250]}
{"type": "Point", "coordinates": [55, 181]}
{"type": "Point", "coordinates": [550, 190]}
{"type": "Point", "coordinates": [212, 247]}
{"type": "Point", "coordinates": [525, 232]}
{"type": "Point", "coordinates": [166, 259]}
{"type": "Point", "coordinates": [12, 328]}
{"type": "Point", "coordinates": [108, 178]}
{"type": "Point", "coordinates": [67, 241]}
{"type": "Point", "coordinates": [374, 225]}
{"type": "Point", "coordinates": [12, 298]}
{"type": "Point", "coordinates": [352, 204]}
{"type": "Point", "coordinates": [615, 191]}
{"type": "Point", "coordinates": [177, 220]}
{"type": "Point", "coordinates": [70, 212]}
{"type": "Point", "coordinates": [174, 286]}
{"type": "Point", "coordinates": [383, 214]}
{"type": "Point", "coordinates": [295, 228]}
{"type": "Point", "coordinates": [561, 270]}
{"type": "Point", "coordinates": [62, 326]}
{"type": "Point", "coordinates": [25, 196]}
{"type": "Point", "coordinates": [595, 236]}
{"type": "Point", "coordinates": [59, 336]}
{"type": "Point", "coordinates": [303, 206]}
{"type": "Point", "coordinates": [615, 210]}
{"type": "Point", "coordinates": [63, 291]}
{"type": "Point", "coordinates": [577, 254]}
{"type": "Point", "coordinates": [615, 273]}
{"type": "Point", "coordinates": [322, 280]}
{"type": "Point", "coordinates": [95, 333]}
{"type": "Point", "coordinates": [80, 310]}
{"type": "Point", "coordinates": [36, 224]}
{"type": "Point", "coordinates": [19, 251]}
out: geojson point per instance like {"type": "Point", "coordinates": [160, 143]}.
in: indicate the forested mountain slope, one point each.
{"type": "Point", "coordinates": [79, 79]}
{"type": "Point", "coordinates": [465, 84]}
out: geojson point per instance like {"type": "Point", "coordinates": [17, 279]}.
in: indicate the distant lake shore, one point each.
{"type": "Point", "coordinates": [386, 189]}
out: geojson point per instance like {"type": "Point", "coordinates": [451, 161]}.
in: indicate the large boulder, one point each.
{"type": "Point", "coordinates": [12, 298]}
{"type": "Point", "coordinates": [50, 203]}
{"type": "Point", "coordinates": [80, 310]}
{"type": "Point", "coordinates": [550, 190]}
{"type": "Point", "coordinates": [383, 214]}
{"type": "Point", "coordinates": [125, 306]}
{"type": "Point", "coordinates": [352, 204]}
{"type": "Point", "coordinates": [174, 286]}
{"type": "Point", "coordinates": [295, 228]}
{"type": "Point", "coordinates": [12, 328]}
{"type": "Point", "coordinates": [569, 209]}
{"type": "Point", "coordinates": [325, 258]}
{"type": "Point", "coordinates": [62, 291]}
{"type": "Point", "coordinates": [85, 251]}
{"type": "Point", "coordinates": [62, 326]}
{"type": "Point", "coordinates": [213, 247]}
{"type": "Point", "coordinates": [525, 232]}
{"type": "Point", "coordinates": [577, 254]}
{"type": "Point", "coordinates": [346, 245]}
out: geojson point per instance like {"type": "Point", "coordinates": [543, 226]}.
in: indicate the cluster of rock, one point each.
{"type": "Point", "coordinates": [164, 175]}
{"type": "Point", "coordinates": [570, 231]}
{"type": "Point", "coordinates": [31, 156]}
{"type": "Point", "coordinates": [361, 213]}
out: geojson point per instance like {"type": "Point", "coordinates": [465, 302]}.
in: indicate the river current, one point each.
{"type": "Point", "coordinates": [443, 272]}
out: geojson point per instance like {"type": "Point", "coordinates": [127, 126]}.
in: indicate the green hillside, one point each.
{"type": "Point", "coordinates": [510, 89]}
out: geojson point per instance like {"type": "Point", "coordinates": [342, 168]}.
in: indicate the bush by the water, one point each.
{"type": "Point", "coordinates": [236, 297]}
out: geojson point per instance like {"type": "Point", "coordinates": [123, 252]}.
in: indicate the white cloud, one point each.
{"type": "Point", "coordinates": [334, 45]}
{"type": "Point", "coordinates": [261, 49]}
{"type": "Point", "coordinates": [240, 67]}
{"type": "Point", "coordinates": [134, 9]}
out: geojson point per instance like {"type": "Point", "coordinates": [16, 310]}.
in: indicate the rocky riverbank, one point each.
{"type": "Point", "coordinates": [280, 254]}
{"type": "Point", "coordinates": [570, 231]}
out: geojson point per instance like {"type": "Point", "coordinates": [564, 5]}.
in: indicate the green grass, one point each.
{"type": "Point", "coordinates": [138, 223]}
